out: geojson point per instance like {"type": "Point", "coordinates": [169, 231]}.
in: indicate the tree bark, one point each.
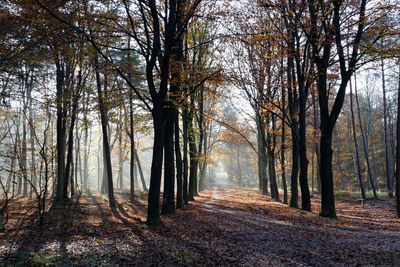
{"type": "Point", "coordinates": [153, 210]}
{"type": "Point", "coordinates": [185, 153]}
{"type": "Point", "coordinates": [293, 108]}
{"type": "Point", "coordinates": [398, 149]}
{"type": "Point", "coordinates": [262, 155]}
{"type": "Point", "coordinates": [179, 171]}
{"type": "Point", "coordinates": [283, 148]}
{"type": "Point", "coordinates": [365, 146]}
{"type": "Point", "coordinates": [388, 150]}
{"type": "Point", "coordinates": [353, 122]}
{"type": "Point", "coordinates": [271, 141]}
{"type": "Point", "coordinates": [193, 158]}
{"type": "Point", "coordinates": [168, 206]}
{"type": "Point", "coordinates": [103, 117]}
{"type": "Point", "coordinates": [140, 171]}
{"type": "Point", "coordinates": [60, 139]}
{"type": "Point", "coordinates": [86, 148]}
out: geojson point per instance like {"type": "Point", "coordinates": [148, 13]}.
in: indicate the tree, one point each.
{"type": "Point", "coordinates": [398, 149]}
{"type": "Point", "coordinates": [325, 30]}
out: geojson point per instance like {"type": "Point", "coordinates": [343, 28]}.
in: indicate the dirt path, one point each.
{"type": "Point", "coordinates": [225, 226]}
{"type": "Point", "coordinates": [277, 235]}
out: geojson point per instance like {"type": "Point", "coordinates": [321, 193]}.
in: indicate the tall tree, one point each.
{"type": "Point", "coordinates": [324, 31]}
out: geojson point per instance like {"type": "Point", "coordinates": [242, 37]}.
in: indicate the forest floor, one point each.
{"type": "Point", "coordinates": [225, 226]}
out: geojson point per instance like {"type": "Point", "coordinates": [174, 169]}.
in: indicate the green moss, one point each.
{"type": "Point", "coordinates": [155, 222]}
{"type": "Point", "coordinates": [41, 259]}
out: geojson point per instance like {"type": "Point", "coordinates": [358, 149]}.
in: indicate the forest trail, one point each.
{"type": "Point", "coordinates": [225, 226]}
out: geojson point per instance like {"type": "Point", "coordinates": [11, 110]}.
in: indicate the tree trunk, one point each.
{"type": "Point", "coordinates": [106, 145]}
{"type": "Point", "coordinates": [153, 210]}
{"type": "Point", "coordinates": [201, 138]}
{"type": "Point", "coordinates": [23, 156]}
{"type": "Point", "coordinates": [398, 149]}
{"type": "Point", "coordinates": [185, 154]}
{"type": "Point", "coordinates": [168, 206]}
{"type": "Point", "coordinates": [131, 135]}
{"type": "Point", "coordinates": [240, 178]}
{"type": "Point", "coordinates": [72, 182]}
{"type": "Point", "coordinates": [360, 179]}
{"type": "Point", "coordinates": [179, 171]}
{"type": "Point", "coordinates": [68, 172]}
{"type": "Point", "coordinates": [271, 142]}
{"type": "Point", "coordinates": [327, 195]}
{"type": "Point", "coordinates": [283, 166]}
{"type": "Point", "coordinates": [60, 140]}
{"type": "Point", "coordinates": [120, 159]}
{"type": "Point", "coordinates": [34, 185]}
{"type": "Point", "coordinates": [140, 171]}
{"type": "Point", "coordinates": [305, 191]}
{"type": "Point", "coordinates": [261, 162]}
{"type": "Point", "coordinates": [283, 148]}
{"type": "Point", "coordinates": [262, 155]}
{"type": "Point", "coordinates": [193, 158]}
{"type": "Point", "coordinates": [371, 179]}
{"type": "Point", "coordinates": [293, 109]}
{"type": "Point", "coordinates": [316, 144]}
{"type": "Point", "coordinates": [86, 152]}
{"type": "Point", "coordinates": [132, 165]}
{"type": "Point", "coordinates": [388, 152]}
{"type": "Point", "coordinates": [203, 165]}
{"type": "Point", "coordinates": [294, 197]}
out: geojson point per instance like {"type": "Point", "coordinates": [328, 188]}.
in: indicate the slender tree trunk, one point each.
{"type": "Point", "coordinates": [81, 178]}
{"type": "Point", "coordinates": [77, 142]}
{"type": "Point", "coordinates": [365, 146]}
{"type": "Point", "coordinates": [14, 159]}
{"type": "Point", "coordinates": [72, 182]}
{"type": "Point", "coordinates": [240, 178]}
{"type": "Point", "coordinates": [120, 158]}
{"type": "Point", "coordinates": [201, 138]}
{"type": "Point", "coordinates": [131, 135]}
{"type": "Point", "coordinates": [60, 140]}
{"type": "Point", "coordinates": [262, 156]}
{"type": "Point", "coordinates": [132, 139]}
{"type": "Point", "coordinates": [369, 140]}
{"type": "Point", "coordinates": [398, 149]}
{"type": "Point", "coordinates": [295, 171]}
{"type": "Point", "coordinates": [34, 181]}
{"type": "Point", "coordinates": [185, 154]}
{"type": "Point", "coordinates": [106, 145]}
{"type": "Point", "coordinates": [193, 160]}
{"type": "Point", "coordinates": [353, 122]}
{"type": "Point", "coordinates": [23, 157]}
{"type": "Point", "coordinates": [104, 180]}
{"type": "Point", "coordinates": [305, 191]}
{"type": "Point", "coordinates": [203, 165]}
{"type": "Point", "coordinates": [140, 171]}
{"type": "Point", "coordinates": [99, 170]}
{"type": "Point", "coordinates": [293, 109]}
{"type": "Point", "coordinates": [283, 166]}
{"type": "Point", "coordinates": [271, 142]}
{"type": "Point", "coordinates": [85, 156]}
{"type": "Point", "coordinates": [69, 174]}
{"type": "Point", "coordinates": [17, 141]}
{"type": "Point", "coordinates": [388, 152]}
{"type": "Point", "coordinates": [316, 144]}
{"type": "Point", "coordinates": [179, 171]}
